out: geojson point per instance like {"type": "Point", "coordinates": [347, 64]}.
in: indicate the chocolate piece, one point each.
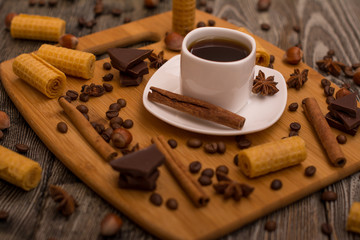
{"type": "Point", "coordinates": [333, 122]}
{"type": "Point", "coordinates": [276, 184]}
{"type": "Point", "coordinates": [346, 104]}
{"type": "Point", "coordinates": [172, 204]}
{"type": "Point", "coordinates": [204, 180]}
{"type": "Point", "coordinates": [310, 171]}
{"type": "Point", "coordinates": [342, 139]}
{"type": "Point", "coordinates": [195, 167]}
{"type": "Point", "coordinates": [125, 58]}
{"type": "Point", "coordinates": [208, 172]}
{"type": "Point", "coordinates": [270, 225]}
{"type": "Point", "coordinates": [328, 196]}
{"type": "Point", "coordinates": [128, 81]}
{"type": "Point", "coordinates": [138, 70]}
{"type": "Point", "coordinates": [156, 199]}
{"type": "Point", "coordinates": [141, 163]}
{"type": "Point", "coordinates": [140, 183]}
{"type": "Point", "coordinates": [172, 143]}
{"type": "Point", "coordinates": [349, 122]}
{"type": "Point", "coordinates": [194, 143]}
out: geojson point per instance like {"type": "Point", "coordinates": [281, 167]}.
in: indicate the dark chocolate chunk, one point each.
{"type": "Point", "coordinates": [293, 107]}
{"type": "Point", "coordinates": [62, 127]}
{"type": "Point", "coordinates": [347, 104]}
{"type": "Point", "coordinates": [210, 147]}
{"type": "Point", "coordinates": [156, 199]}
{"type": "Point", "coordinates": [295, 126]}
{"type": "Point", "coordinates": [326, 229]}
{"type": "Point", "coordinates": [195, 167]}
{"type": "Point", "coordinates": [276, 184]}
{"type": "Point", "coordinates": [310, 171]}
{"type": "Point", "coordinates": [128, 81]}
{"type": "Point", "coordinates": [141, 163]}
{"type": "Point", "coordinates": [204, 180]}
{"type": "Point", "coordinates": [124, 58]}
{"type": "Point", "coordinates": [223, 169]}
{"type": "Point", "coordinates": [270, 225]}
{"type": "Point", "coordinates": [22, 148]}
{"type": "Point", "coordinates": [194, 143]}
{"type": "Point", "coordinates": [107, 66]}
{"type": "Point", "coordinates": [128, 123]}
{"type": "Point", "coordinates": [138, 70]}
{"type": "Point", "coordinates": [208, 172]}
{"type": "Point", "coordinates": [140, 183]}
{"type": "Point", "coordinates": [341, 139]}
{"type": "Point", "coordinates": [221, 147]}
{"type": "Point", "coordinates": [328, 196]}
{"type": "Point", "coordinates": [333, 122]}
{"type": "Point", "coordinates": [172, 143]}
{"type": "Point", "coordinates": [172, 204]}
{"type": "Point", "coordinates": [82, 108]}
{"type": "Point", "coordinates": [348, 121]}
{"type": "Point", "coordinates": [108, 77]}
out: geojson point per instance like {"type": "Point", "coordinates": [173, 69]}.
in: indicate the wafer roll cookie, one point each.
{"type": "Point", "coordinates": [72, 62]}
{"type": "Point", "coordinates": [37, 27]}
{"type": "Point", "coordinates": [18, 169]}
{"type": "Point", "coordinates": [183, 16]}
{"type": "Point", "coordinates": [353, 220]}
{"type": "Point", "coordinates": [272, 156]}
{"type": "Point", "coordinates": [262, 56]}
{"type": "Point", "coordinates": [39, 74]}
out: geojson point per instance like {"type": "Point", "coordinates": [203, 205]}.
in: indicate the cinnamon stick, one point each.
{"type": "Point", "coordinates": [191, 187]}
{"type": "Point", "coordinates": [196, 107]}
{"type": "Point", "coordinates": [87, 131]}
{"type": "Point", "coordinates": [323, 130]}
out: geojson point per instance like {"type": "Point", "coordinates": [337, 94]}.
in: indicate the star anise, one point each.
{"type": "Point", "coordinates": [66, 202]}
{"type": "Point", "coordinates": [157, 60]}
{"type": "Point", "coordinates": [264, 86]}
{"type": "Point", "coordinates": [328, 65]}
{"type": "Point", "coordinates": [297, 79]}
{"type": "Point", "coordinates": [230, 188]}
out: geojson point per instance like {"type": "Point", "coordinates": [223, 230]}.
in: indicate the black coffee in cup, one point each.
{"type": "Point", "coordinates": [219, 49]}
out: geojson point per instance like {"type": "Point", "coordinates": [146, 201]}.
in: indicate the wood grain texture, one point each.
{"type": "Point", "coordinates": [325, 25]}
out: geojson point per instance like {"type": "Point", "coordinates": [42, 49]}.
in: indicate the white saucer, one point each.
{"type": "Point", "coordinates": [260, 112]}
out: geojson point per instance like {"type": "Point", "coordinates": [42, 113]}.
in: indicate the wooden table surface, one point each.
{"type": "Point", "coordinates": [324, 25]}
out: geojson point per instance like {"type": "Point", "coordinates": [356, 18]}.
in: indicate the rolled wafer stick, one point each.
{"type": "Point", "coordinates": [191, 187]}
{"type": "Point", "coordinates": [87, 131]}
{"type": "Point", "coordinates": [323, 130]}
{"type": "Point", "coordinates": [183, 16]}
{"type": "Point", "coordinates": [353, 220]}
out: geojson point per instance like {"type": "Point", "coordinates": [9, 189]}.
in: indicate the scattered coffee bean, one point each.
{"type": "Point", "coordinates": [236, 160]}
{"type": "Point", "coordinates": [270, 225]}
{"type": "Point", "coordinates": [115, 107]}
{"type": "Point", "coordinates": [72, 94]}
{"type": "Point", "coordinates": [116, 122]}
{"type": "Point", "coordinates": [204, 180]}
{"type": "Point", "coordinates": [208, 172]}
{"type": "Point", "coordinates": [325, 82]}
{"type": "Point", "coordinates": [310, 171]}
{"type": "Point", "coordinates": [210, 147]}
{"type": "Point", "coordinates": [116, 12]}
{"type": "Point", "coordinates": [194, 143]}
{"type": "Point", "coordinates": [90, 24]}
{"type": "Point", "coordinates": [22, 148]}
{"type": "Point", "coordinates": [84, 97]}
{"type": "Point", "coordinates": [86, 116]}
{"type": "Point", "coordinates": [172, 143]}
{"type": "Point", "coordinates": [62, 127]}
{"type": "Point", "coordinates": [1, 134]}
{"type": "Point", "coordinates": [209, 9]}
{"type": "Point", "coordinates": [108, 87]}
{"type": "Point", "coordinates": [326, 229]}
{"type": "Point", "coordinates": [328, 196]}
{"type": "Point", "coordinates": [303, 101]}
{"type": "Point", "coordinates": [127, 19]}
{"type": "Point", "coordinates": [52, 3]}
{"type": "Point", "coordinates": [128, 123]}
{"type": "Point", "coordinates": [293, 133]}
{"type": "Point", "coordinates": [271, 66]}
{"type": "Point", "coordinates": [349, 72]}
{"type": "Point", "coordinates": [293, 107]}
{"type": "Point", "coordinates": [67, 98]}
{"type": "Point", "coordinates": [106, 66]}
{"type": "Point", "coordinates": [82, 108]}
{"type": "Point", "coordinates": [32, 3]}
{"type": "Point", "coordinates": [99, 128]}
{"type": "Point", "coordinates": [296, 28]}
{"type": "Point", "coordinates": [81, 22]}
{"type": "Point", "coordinates": [172, 204]}
{"type": "Point", "coordinates": [3, 215]}
{"type": "Point", "coordinates": [329, 91]}
{"type": "Point", "coordinates": [276, 184]}
{"type": "Point", "coordinates": [356, 66]}
{"type": "Point", "coordinates": [263, 5]}
{"type": "Point", "coordinates": [211, 23]}
{"type": "Point", "coordinates": [243, 143]}
{"type": "Point", "coordinates": [156, 199]}
{"type": "Point", "coordinates": [220, 176]}
{"type": "Point", "coordinates": [342, 139]}
{"type": "Point", "coordinates": [221, 147]}
{"type": "Point", "coordinates": [106, 135]}
{"type": "Point", "coordinates": [111, 114]}
{"type": "Point", "coordinates": [194, 167]}
{"type": "Point", "coordinates": [122, 102]}
{"type": "Point", "coordinates": [331, 52]}
{"type": "Point", "coordinates": [330, 99]}
{"type": "Point", "coordinates": [108, 77]}
{"type": "Point", "coordinates": [223, 169]}
{"type": "Point", "coordinates": [200, 24]}
{"type": "Point", "coordinates": [295, 126]}
{"type": "Point", "coordinates": [202, 3]}
{"type": "Point", "coordinates": [272, 58]}
{"type": "Point", "coordinates": [41, 3]}
{"type": "Point", "coordinates": [265, 27]}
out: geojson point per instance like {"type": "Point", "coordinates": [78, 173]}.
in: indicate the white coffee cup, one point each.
{"type": "Point", "coordinates": [225, 84]}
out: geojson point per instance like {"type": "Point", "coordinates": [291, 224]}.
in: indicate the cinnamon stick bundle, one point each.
{"type": "Point", "coordinates": [196, 107]}
{"type": "Point", "coordinates": [191, 187]}
{"type": "Point", "coordinates": [87, 131]}
{"type": "Point", "coordinates": [323, 130]}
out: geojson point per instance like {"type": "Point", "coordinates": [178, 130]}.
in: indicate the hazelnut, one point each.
{"type": "Point", "coordinates": [121, 137]}
{"type": "Point", "coordinates": [173, 41]}
{"type": "Point", "coordinates": [4, 120]}
{"type": "Point", "coordinates": [356, 78]}
{"type": "Point", "coordinates": [151, 3]}
{"type": "Point", "coordinates": [68, 41]}
{"type": "Point", "coordinates": [8, 19]}
{"type": "Point", "coordinates": [342, 92]}
{"type": "Point", "coordinates": [110, 225]}
{"type": "Point", "coordinates": [293, 55]}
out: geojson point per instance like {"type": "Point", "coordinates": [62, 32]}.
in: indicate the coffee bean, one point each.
{"type": "Point", "coordinates": [111, 114]}
{"type": "Point", "coordinates": [3, 215]}
{"type": "Point", "coordinates": [122, 102]}
{"type": "Point", "coordinates": [263, 5]}
{"type": "Point", "coordinates": [326, 229]}
{"type": "Point", "coordinates": [328, 196]}
{"type": "Point", "coordinates": [127, 19]}
{"type": "Point", "coordinates": [325, 82]}
{"type": "Point", "coordinates": [223, 169]}
{"type": "Point", "coordinates": [208, 172]}
{"type": "Point", "coordinates": [32, 3]}
{"type": "Point", "coordinates": [116, 12]}
{"type": "Point", "coordinates": [84, 97]}
{"type": "Point", "coordinates": [293, 107]}
{"type": "Point", "coordinates": [172, 143]}
{"type": "Point", "coordinates": [156, 199]}
{"type": "Point", "coordinates": [106, 134]}
{"type": "Point", "coordinates": [108, 77]}
{"type": "Point", "coordinates": [349, 72]}
{"type": "Point", "coordinates": [106, 66]}
{"type": "Point", "coordinates": [303, 101]}
{"type": "Point", "coordinates": [356, 66]}
{"type": "Point", "coordinates": [41, 3]}
{"type": "Point", "coordinates": [276, 184]}
{"type": "Point", "coordinates": [90, 23]}
{"type": "Point", "coordinates": [86, 116]}
{"type": "Point", "coordinates": [194, 143]}
{"type": "Point", "coordinates": [265, 27]}
{"type": "Point", "coordinates": [62, 127]}
{"type": "Point", "coordinates": [81, 22]}
{"type": "Point", "coordinates": [272, 58]}
{"type": "Point", "coordinates": [194, 167]}
{"type": "Point", "coordinates": [209, 9]}
{"type": "Point", "coordinates": [293, 133]}
{"type": "Point", "coordinates": [295, 126]}
{"type": "Point", "coordinates": [172, 204]}
{"type": "Point", "coordinates": [236, 160]}
{"type": "Point", "coordinates": [296, 28]}
{"type": "Point", "coordinates": [329, 91]}
{"type": "Point", "coordinates": [22, 148]}
{"type": "Point", "coordinates": [202, 3]}
{"type": "Point", "coordinates": [99, 128]}
{"type": "Point", "coordinates": [310, 171]}
{"type": "Point", "coordinates": [67, 98]}
{"type": "Point", "coordinates": [204, 180]}
{"type": "Point", "coordinates": [271, 66]}
{"type": "Point", "coordinates": [331, 52]}
{"type": "Point", "coordinates": [211, 23]}
{"type": "Point", "coordinates": [330, 99]}
{"type": "Point", "coordinates": [221, 147]}
{"type": "Point", "coordinates": [108, 87]}
{"type": "Point", "coordinates": [270, 225]}
{"type": "Point", "coordinates": [82, 108]}
{"type": "Point", "coordinates": [114, 107]}
{"type": "Point", "coordinates": [243, 143]}
{"type": "Point", "coordinates": [72, 94]}
{"type": "Point", "coordinates": [128, 123]}
{"type": "Point", "coordinates": [342, 139]}
{"type": "Point", "coordinates": [116, 122]}
{"type": "Point", "coordinates": [1, 134]}
{"type": "Point", "coordinates": [52, 3]}
{"type": "Point", "coordinates": [210, 147]}
{"type": "Point", "coordinates": [200, 24]}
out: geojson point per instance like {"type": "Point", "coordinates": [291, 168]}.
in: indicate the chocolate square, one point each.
{"type": "Point", "coordinates": [126, 181]}
{"type": "Point", "coordinates": [128, 81]}
{"type": "Point", "coordinates": [125, 58]}
{"type": "Point", "coordinates": [138, 70]}
{"type": "Point", "coordinates": [347, 104]}
{"type": "Point", "coordinates": [333, 122]}
{"type": "Point", "coordinates": [348, 121]}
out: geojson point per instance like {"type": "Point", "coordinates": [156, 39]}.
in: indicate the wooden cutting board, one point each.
{"type": "Point", "coordinates": [220, 216]}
